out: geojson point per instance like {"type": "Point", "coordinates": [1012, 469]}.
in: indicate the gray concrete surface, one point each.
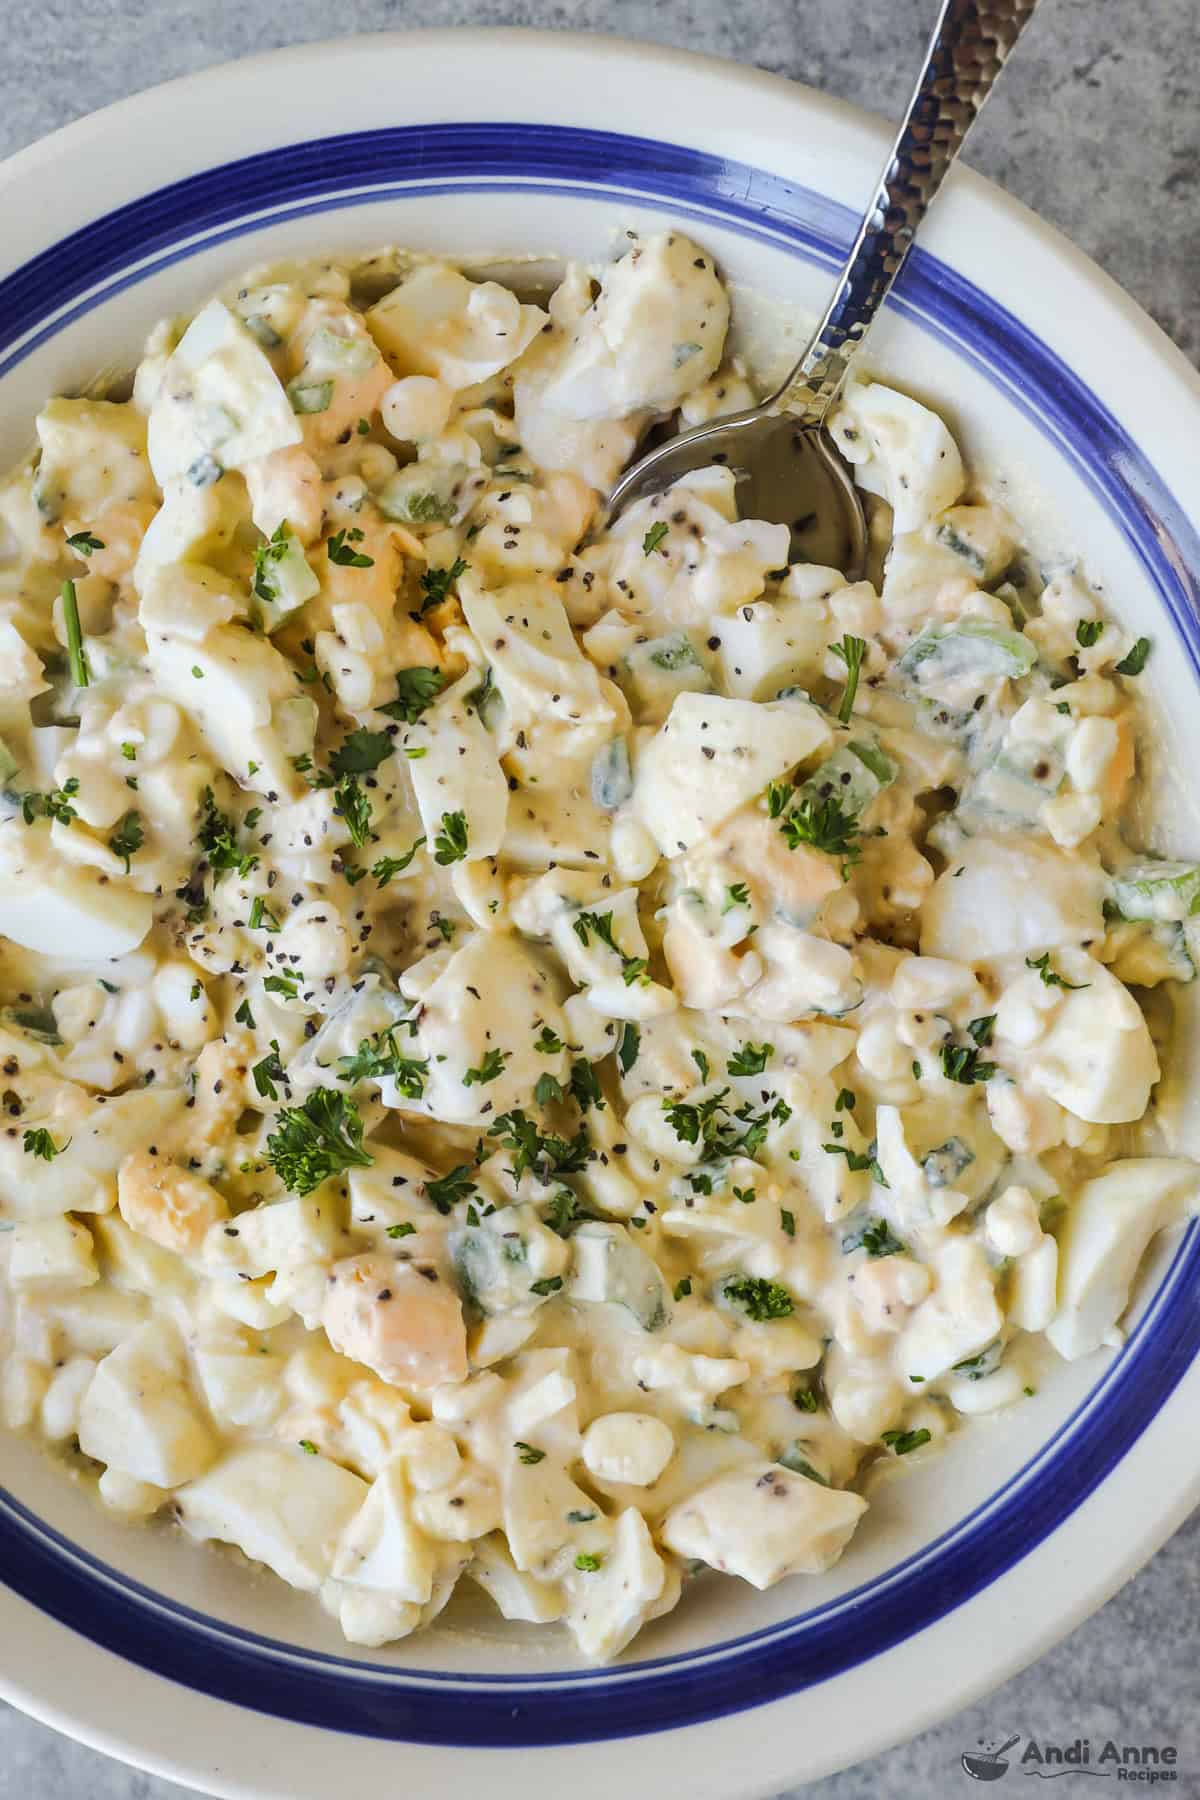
{"type": "Point", "coordinates": [1096, 126]}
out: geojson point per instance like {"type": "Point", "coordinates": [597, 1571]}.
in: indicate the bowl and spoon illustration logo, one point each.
{"type": "Point", "coordinates": [989, 1765]}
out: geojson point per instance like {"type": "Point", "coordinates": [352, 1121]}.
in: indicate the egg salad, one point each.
{"type": "Point", "coordinates": [550, 1055]}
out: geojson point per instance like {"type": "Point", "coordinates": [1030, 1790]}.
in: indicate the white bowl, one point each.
{"type": "Point", "coordinates": [177, 1658]}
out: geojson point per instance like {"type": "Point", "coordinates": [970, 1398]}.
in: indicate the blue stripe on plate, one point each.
{"type": "Point", "coordinates": [376, 1699]}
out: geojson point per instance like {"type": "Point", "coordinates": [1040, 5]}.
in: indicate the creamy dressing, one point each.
{"type": "Point", "coordinates": [556, 1066]}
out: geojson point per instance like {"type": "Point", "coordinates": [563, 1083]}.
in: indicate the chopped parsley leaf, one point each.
{"type": "Point", "coordinates": [416, 691]}
{"type": "Point", "coordinates": [447, 1190]}
{"type": "Point", "coordinates": [378, 1058]}
{"type": "Point", "coordinates": [385, 867]}
{"type": "Point", "coordinates": [1135, 660]}
{"type": "Point", "coordinates": [84, 542]}
{"type": "Point", "coordinates": [450, 844]}
{"type": "Point", "coordinates": [822, 825]}
{"type": "Point", "coordinates": [757, 1297]}
{"type": "Point", "coordinates": [527, 1453]}
{"type": "Point", "coordinates": [961, 1063]}
{"type": "Point", "coordinates": [267, 1072]}
{"type": "Point", "coordinates": [490, 1069]}
{"type": "Point", "coordinates": [751, 1059]}
{"type": "Point", "coordinates": [362, 751]}
{"type": "Point", "coordinates": [1050, 977]}
{"type": "Point", "coordinates": [39, 1143]}
{"type": "Point", "coordinates": [317, 1140]}
{"type": "Point", "coordinates": [654, 538]}
{"type": "Point", "coordinates": [339, 549]}
{"type": "Point", "coordinates": [436, 584]}
{"type": "Point", "coordinates": [1087, 632]}
{"type": "Point", "coordinates": [875, 1236]}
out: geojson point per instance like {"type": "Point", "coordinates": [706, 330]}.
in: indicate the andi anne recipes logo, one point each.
{"type": "Point", "coordinates": [1143, 1763]}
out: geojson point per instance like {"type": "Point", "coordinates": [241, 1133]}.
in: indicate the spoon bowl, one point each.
{"type": "Point", "coordinates": [786, 471]}
{"type": "Point", "coordinates": [789, 471]}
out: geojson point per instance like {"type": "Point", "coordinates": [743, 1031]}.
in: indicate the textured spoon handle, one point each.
{"type": "Point", "coordinates": [968, 49]}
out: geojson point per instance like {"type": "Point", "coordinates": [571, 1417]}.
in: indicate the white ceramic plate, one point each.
{"type": "Point", "coordinates": [175, 1658]}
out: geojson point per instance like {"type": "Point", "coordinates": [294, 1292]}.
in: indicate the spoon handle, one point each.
{"type": "Point", "coordinates": [970, 43]}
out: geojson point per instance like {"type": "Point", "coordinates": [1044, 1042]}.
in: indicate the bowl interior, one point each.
{"type": "Point", "coordinates": [1079, 484]}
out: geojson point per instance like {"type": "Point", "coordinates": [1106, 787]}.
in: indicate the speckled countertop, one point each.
{"type": "Point", "coordinates": [1097, 126]}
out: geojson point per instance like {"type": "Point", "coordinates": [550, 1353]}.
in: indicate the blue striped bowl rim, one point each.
{"type": "Point", "coordinates": [131, 243]}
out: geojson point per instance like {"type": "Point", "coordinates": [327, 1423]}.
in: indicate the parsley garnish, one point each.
{"type": "Point", "coordinates": [683, 1288]}
{"type": "Point", "coordinates": [737, 895]}
{"type": "Point", "coordinates": [601, 924]}
{"type": "Point", "coordinates": [627, 1049]}
{"type": "Point", "coordinates": [701, 1062]}
{"type": "Point", "coordinates": [338, 549]}
{"type": "Point", "coordinates": [858, 1161]}
{"type": "Point", "coordinates": [547, 1044]}
{"type": "Point", "coordinates": [1135, 661]}
{"type": "Point", "coordinates": [128, 837]}
{"type": "Point", "coordinates": [274, 550]}
{"type": "Point", "coordinates": [361, 752]}
{"type": "Point", "coordinates": [751, 1059]}
{"type": "Point", "coordinates": [244, 1016]}
{"type": "Point", "coordinates": [545, 1153]}
{"type": "Point", "coordinates": [39, 1143]}
{"type": "Point", "coordinates": [1050, 977]}
{"type": "Point", "coordinates": [267, 1072]}
{"type": "Point", "coordinates": [407, 1229]}
{"type": "Point", "coordinates": [447, 1190]}
{"type": "Point", "coordinates": [307, 1445]}
{"type": "Point", "coordinates": [1087, 632]}
{"type": "Point", "coordinates": [875, 1237]}
{"type": "Point", "coordinates": [902, 1442]}
{"type": "Point", "coordinates": [585, 1561]}
{"type": "Point", "coordinates": [585, 1086]}
{"type": "Point", "coordinates": [850, 651]}
{"type": "Point", "coordinates": [981, 1030]}
{"type": "Point", "coordinates": [385, 867]}
{"type": "Point", "coordinates": [654, 537]}
{"type": "Point", "coordinates": [55, 805]}
{"type": "Point", "coordinates": [549, 1284]}
{"type": "Point", "coordinates": [778, 795]}
{"type": "Point", "coordinates": [84, 543]}
{"type": "Point", "coordinates": [378, 1057]}
{"type": "Point", "coordinates": [354, 808]}
{"type": "Point", "coordinates": [961, 1063]}
{"type": "Point", "coordinates": [846, 1101]}
{"type": "Point", "coordinates": [416, 691]}
{"type": "Point", "coordinates": [564, 1212]}
{"type": "Point", "coordinates": [527, 1453]}
{"type": "Point", "coordinates": [216, 839]}
{"type": "Point", "coordinates": [316, 1140]}
{"type": "Point", "coordinates": [758, 1298]}
{"type": "Point", "coordinates": [287, 985]}
{"type": "Point", "coordinates": [450, 844]}
{"type": "Point", "coordinates": [490, 1069]}
{"type": "Point", "coordinates": [788, 1221]}
{"type": "Point", "coordinates": [76, 655]}
{"type": "Point", "coordinates": [711, 1123]}
{"type": "Point", "coordinates": [436, 584]}
{"type": "Point", "coordinates": [823, 825]}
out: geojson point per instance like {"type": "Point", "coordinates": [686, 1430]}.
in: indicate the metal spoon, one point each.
{"type": "Point", "coordinates": [788, 469]}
